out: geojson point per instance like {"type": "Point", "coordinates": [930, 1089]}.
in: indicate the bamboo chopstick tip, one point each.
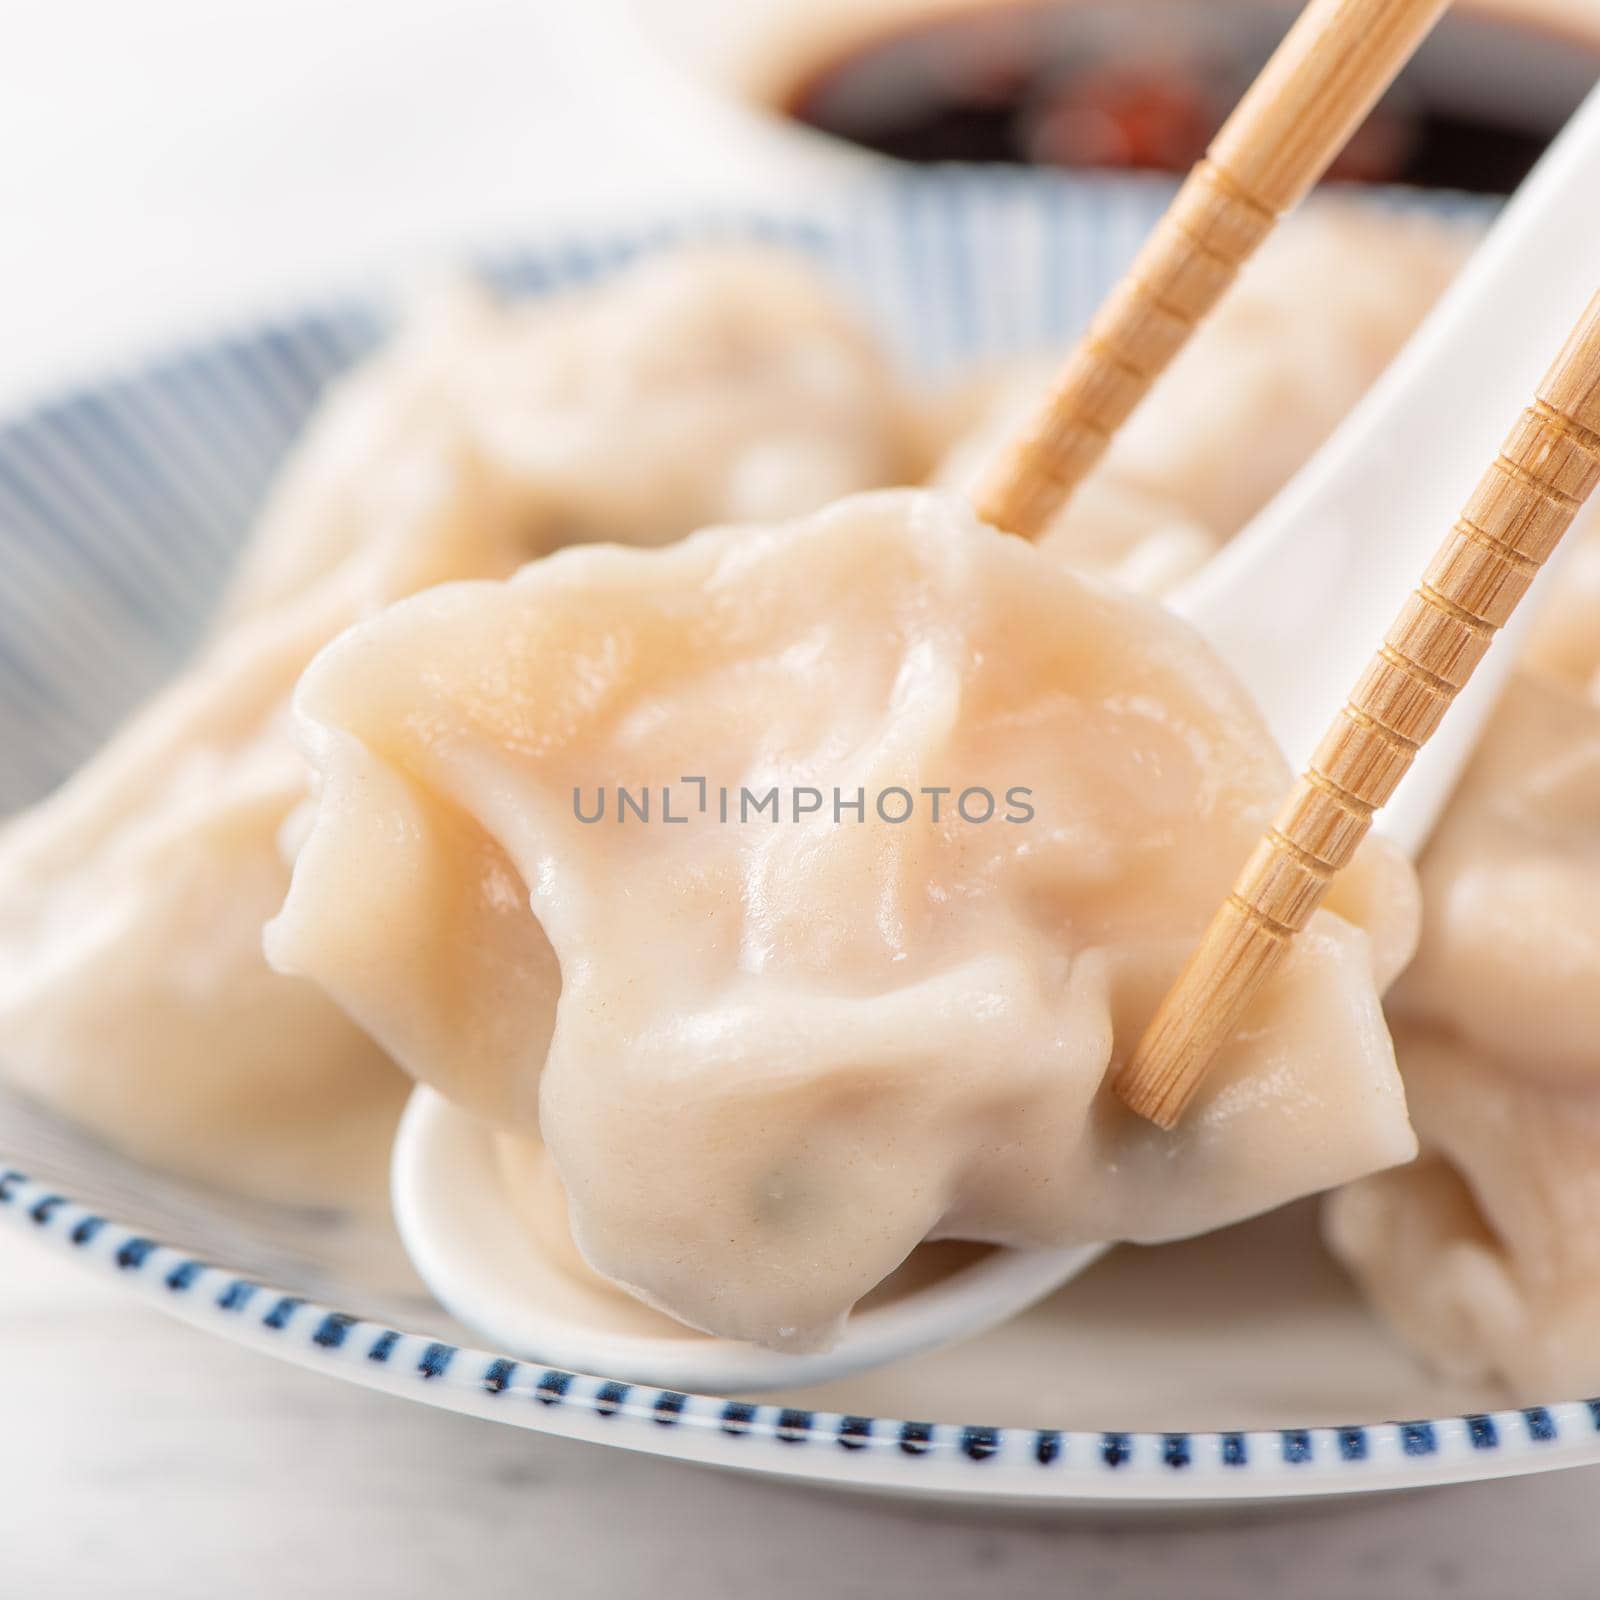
{"type": "Point", "coordinates": [1159, 1112]}
{"type": "Point", "coordinates": [1154, 1084]}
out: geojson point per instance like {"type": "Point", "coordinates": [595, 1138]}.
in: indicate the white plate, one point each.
{"type": "Point", "coordinates": [1233, 1368]}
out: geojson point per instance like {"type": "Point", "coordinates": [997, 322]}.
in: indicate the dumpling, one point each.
{"type": "Point", "coordinates": [1485, 1255]}
{"type": "Point", "coordinates": [133, 993]}
{"type": "Point", "coordinates": [931, 822]}
{"type": "Point", "coordinates": [709, 385]}
{"type": "Point", "coordinates": [1261, 386]}
{"type": "Point", "coordinates": [1510, 957]}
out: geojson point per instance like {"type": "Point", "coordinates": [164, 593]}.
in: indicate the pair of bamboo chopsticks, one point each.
{"type": "Point", "coordinates": [1295, 118]}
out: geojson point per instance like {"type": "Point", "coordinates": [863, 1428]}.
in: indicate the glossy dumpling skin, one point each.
{"type": "Point", "coordinates": [700, 386]}
{"type": "Point", "coordinates": [782, 1054]}
{"type": "Point", "coordinates": [1485, 1255]}
{"type": "Point", "coordinates": [134, 996]}
{"type": "Point", "coordinates": [1510, 954]}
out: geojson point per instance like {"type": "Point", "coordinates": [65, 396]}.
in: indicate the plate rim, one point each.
{"type": "Point", "coordinates": [972, 1461]}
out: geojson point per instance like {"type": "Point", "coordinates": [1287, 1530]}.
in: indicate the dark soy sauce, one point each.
{"type": "Point", "coordinates": [1144, 86]}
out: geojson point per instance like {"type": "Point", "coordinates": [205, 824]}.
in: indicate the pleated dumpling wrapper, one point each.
{"type": "Point", "coordinates": [134, 997]}
{"type": "Point", "coordinates": [700, 385]}
{"type": "Point", "coordinates": [772, 1053]}
{"type": "Point", "coordinates": [1485, 1255]}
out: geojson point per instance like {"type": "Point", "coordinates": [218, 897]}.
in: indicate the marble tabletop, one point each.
{"type": "Point", "coordinates": [142, 1458]}
{"type": "Point", "coordinates": [161, 165]}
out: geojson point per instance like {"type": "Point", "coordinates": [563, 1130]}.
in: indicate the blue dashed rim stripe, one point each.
{"type": "Point", "coordinates": [1033, 1463]}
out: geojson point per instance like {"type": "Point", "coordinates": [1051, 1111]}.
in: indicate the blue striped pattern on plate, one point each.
{"type": "Point", "coordinates": [1017, 1464]}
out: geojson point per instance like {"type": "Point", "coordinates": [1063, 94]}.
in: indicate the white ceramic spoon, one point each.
{"type": "Point", "coordinates": [473, 1252]}
{"type": "Point", "coordinates": [1293, 604]}
{"type": "Point", "coordinates": [1296, 603]}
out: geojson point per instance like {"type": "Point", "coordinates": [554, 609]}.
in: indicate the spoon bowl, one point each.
{"type": "Point", "coordinates": [484, 1266]}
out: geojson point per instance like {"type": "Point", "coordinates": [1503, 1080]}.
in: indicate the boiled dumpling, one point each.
{"type": "Point", "coordinates": [931, 823]}
{"type": "Point", "coordinates": [1510, 958]}
{"type": "Point", "coordinates": [710, 385]}
{"type": "Point", "coordinates": [1485, 1255]}
{"type": "Point", "coordinates": [133, 992]}
{"type": "Point", "coordinates": [1262, 385]}
{"type": "Point", "coordinates": [133, 995]}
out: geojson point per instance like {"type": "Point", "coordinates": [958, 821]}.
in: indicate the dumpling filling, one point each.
{"type": "Point", "coordinates": [796, 887]}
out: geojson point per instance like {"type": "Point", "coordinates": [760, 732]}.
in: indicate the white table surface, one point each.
{"type": "Point", "coordinates": [141, 1458]}
{"type": "Point", "coordinates": [162, 163]}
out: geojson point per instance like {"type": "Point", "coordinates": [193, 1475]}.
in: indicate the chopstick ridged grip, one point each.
{"type": "Point", "coordinates": [1178, 276]}
{"type": "Point", "coordinates": [1293, 120]}
{"type": "Point", "coordinates": [1515, 518]}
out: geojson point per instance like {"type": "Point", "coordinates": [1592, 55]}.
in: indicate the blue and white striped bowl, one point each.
{"type": "Point", "coordinates": [121, 508]}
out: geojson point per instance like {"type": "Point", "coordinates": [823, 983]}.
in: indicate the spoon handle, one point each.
{"type": "Point", "coordinates": [1294, 119]}
{"type": "Point", "coordinates": [1513, 520]}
